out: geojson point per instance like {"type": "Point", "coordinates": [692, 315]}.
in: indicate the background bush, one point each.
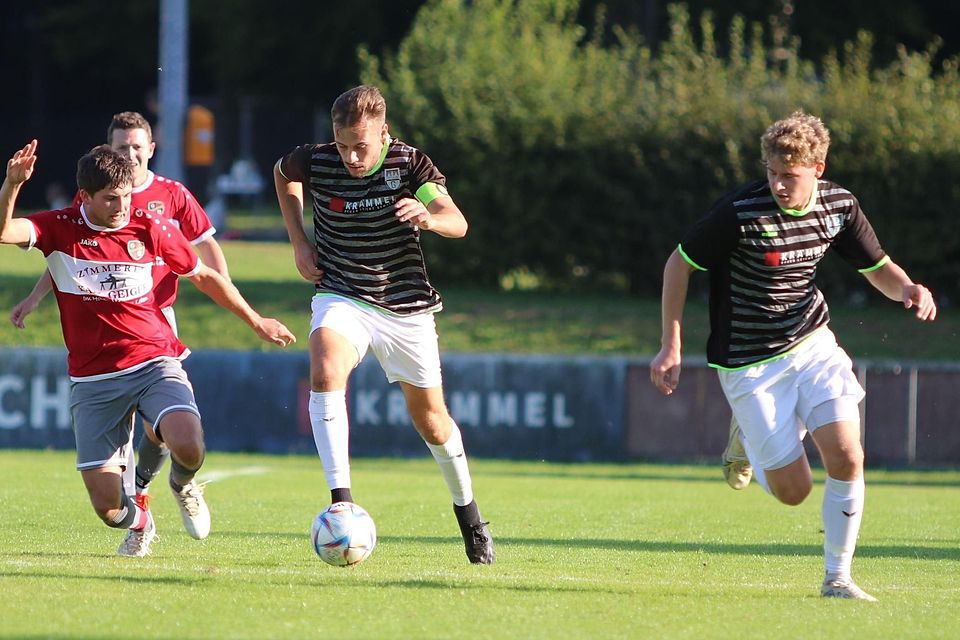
{"type": "Point", "coordinates": [581, 161]}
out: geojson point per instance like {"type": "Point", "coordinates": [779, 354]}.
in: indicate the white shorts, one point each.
{"type": "Point", "coordinates": [406, 346]}
{"type": "Point", "coordinates": [776, 402]}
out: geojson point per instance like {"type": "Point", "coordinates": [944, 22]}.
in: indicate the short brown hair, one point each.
{"type": "Point", "coordinates": [103, 168]}
{"type": "Point", "coordinates": [358, 104]}
{"type": "Point", "coordinates": [126, 120]}
{"type": "Point", "coordinates": [800, 139]}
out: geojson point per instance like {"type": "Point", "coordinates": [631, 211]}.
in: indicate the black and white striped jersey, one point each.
{"type": "Point", "coordinates": [364, 251]}
{"type": "Point", "coordinates": [762, 262]}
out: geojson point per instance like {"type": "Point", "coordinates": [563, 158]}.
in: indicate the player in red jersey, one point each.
{"type": "Point", "coordinates": [122, 355]}
{"type": "Point", "coordinates": [130, 134]}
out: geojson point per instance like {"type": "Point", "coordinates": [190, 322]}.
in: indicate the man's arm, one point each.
{"type": "Point", "coordinates": [665, 367]}
{"type": "Point", "coordinates": [893, 282]}
{"type": "Point", "coordinates": [29, 304]}
{"type": "Point", "coordinates": [212, 255]}
{"type": "Point", "coordinates": [442, 216]}
{"type": "Point", "coordinates": [290, 197]}
{"type": "Point", "coordinates": [19, 170]}
{"type": "Point", "coordinates": [222, 291]}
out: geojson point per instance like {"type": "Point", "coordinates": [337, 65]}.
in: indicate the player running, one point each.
{"type": "Point", "coordinates": [122, 354]}
{"type": "Point", "coordinates": [372, 198]}
{"type": "Point", "coordinates": [130, 134]}
{"type": "Point", "coordinates": [779, 364]}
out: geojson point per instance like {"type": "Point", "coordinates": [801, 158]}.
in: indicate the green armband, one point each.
{"type": "Point", "coordinates": [430, 192]}
{"type": "Point", "coordinates": [882, 262]}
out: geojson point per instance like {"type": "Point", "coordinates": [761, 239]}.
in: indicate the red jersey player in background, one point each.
{"type": "Point", "coordinates": [130, 134]}
{"type": "Point", "coordinates": [123, 357]}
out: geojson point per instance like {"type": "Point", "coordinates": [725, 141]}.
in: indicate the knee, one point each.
{"type": "Point", "coordinates": [105, 508]}
{"type": "Point", "coordinates": [190, 453]}
{"type": "Point", "coordinates": [792, 495]}
{"type": "Point", "coordinates": [183, 435]}
{"type": "Point", "coordinates": [328, 375]}
{"type": "Point", "coordinates": [847, 465]}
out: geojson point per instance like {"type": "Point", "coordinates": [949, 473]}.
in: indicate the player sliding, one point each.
{"type": "Point", "coordinates": [372, 198]}
{"type": "Point", "coordinates": [130, 134]}
{"type": "Point", "coordinates": [779, 364]}
{"type": "Point", "coordinates": [122, 354]}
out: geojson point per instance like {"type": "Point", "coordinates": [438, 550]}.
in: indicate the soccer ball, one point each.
{"type": "Point", "coordinates": [343, 534]}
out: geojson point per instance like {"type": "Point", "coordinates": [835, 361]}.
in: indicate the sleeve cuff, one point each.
{"type": "Point", "coordinates": [689, 260]}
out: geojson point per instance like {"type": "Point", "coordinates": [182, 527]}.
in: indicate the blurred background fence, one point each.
{"type": "Point", "coordinates": [525, 407]}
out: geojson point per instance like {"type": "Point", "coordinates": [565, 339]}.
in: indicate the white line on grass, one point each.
{"type": "Point", "coordinates": [217, 476]}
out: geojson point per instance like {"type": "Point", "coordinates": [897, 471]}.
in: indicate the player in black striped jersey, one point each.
{"type": "Point", "coordinates": [779, 364]}
{"type": "Point", "coordinates": [372, 198]}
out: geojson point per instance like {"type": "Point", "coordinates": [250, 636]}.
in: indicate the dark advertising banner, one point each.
{"type": "Point", "coordinates": [557, 408]}
{"type": "Point", "coordinates": [530, 407]}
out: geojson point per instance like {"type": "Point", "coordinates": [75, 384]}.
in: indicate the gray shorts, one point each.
{"type": "Point", "coordinates": [103, 410]}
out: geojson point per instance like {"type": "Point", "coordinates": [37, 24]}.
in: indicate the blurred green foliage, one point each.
{"type": "Point", "coordinates": [582, 160]}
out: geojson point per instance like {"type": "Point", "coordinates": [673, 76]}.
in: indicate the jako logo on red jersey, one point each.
{"type": "Point", "coordinates": [155, 205]}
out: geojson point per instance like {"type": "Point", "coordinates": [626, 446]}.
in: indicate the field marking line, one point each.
{"type": "Point", "coordinates": [217, 475]}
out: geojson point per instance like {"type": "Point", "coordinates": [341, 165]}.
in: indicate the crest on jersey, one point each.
{"type": "Point", "coordinates": [155, 205]}
{"type": "Point", "coordinates": [136, 249]}
{"type": "Point", "coordinates": [834, 224]}
{"type": "Point", "coordinates": [392, 177]}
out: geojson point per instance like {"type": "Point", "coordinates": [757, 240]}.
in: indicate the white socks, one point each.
{"type": "Point", "coordinates": [331, 433]}
{"type": "Point", "coordinates": [842, 513]}
{"type": "Point", "coordinates": [453, 465]}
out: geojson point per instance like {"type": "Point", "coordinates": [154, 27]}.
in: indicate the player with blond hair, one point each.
{"type": "Point", "coordinates": [779, 364]}
{"type": "Point", "coordinates": [373, 197]}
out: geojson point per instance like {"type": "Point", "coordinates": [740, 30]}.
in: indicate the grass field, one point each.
{"type": "Point", "coordinates": [480, 321]}
{"type": "Point", "coordinates": [584, 551]}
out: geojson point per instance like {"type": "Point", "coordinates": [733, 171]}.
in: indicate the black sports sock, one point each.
{"type": "Point", "coordinates": [468, 514]}
{"type": "Point", "coordinates": [341, 494]}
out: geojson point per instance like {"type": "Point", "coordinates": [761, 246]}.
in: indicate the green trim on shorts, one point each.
{"type": "Point", "coordinates": [771, 358]}
{"type": "Point", "coordinates": [882, 262]}
{"type": "Point", "coordinates": [429, 192]}
{"type": "Point", "coordinates": [688, 259]}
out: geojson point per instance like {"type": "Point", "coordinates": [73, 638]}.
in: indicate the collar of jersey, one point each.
{"type": "Point", "coordinates": [146, 183]}
{"type": "Point", "coordinates": [806, 209]}
{"type": "Point", "coordinates": [96, 227]}
{"type": "Point", "coordinates": [383, 155]}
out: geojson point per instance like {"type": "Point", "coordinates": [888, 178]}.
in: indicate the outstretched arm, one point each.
{"type": "Point", "coordinates": [665, 367]}
{"type": "Point", "coordinates": [19, 170]}
{"type": "Point", "coordinates": [227, 296]}
{"type": "Point", "coordinates": [893, 282]}
{"type": "Point", "coordinates": [290, 197]}
{"type": "Point", "coordinates": [29, 304]}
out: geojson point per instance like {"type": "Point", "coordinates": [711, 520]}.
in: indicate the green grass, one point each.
{"type": "Point", "coordinates": [479, 321]}
{"type": "Point", "coordinates": [584, 551]}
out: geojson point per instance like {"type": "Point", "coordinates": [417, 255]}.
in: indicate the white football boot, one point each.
{"type": "Point", "coordinates": [193, 510]}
